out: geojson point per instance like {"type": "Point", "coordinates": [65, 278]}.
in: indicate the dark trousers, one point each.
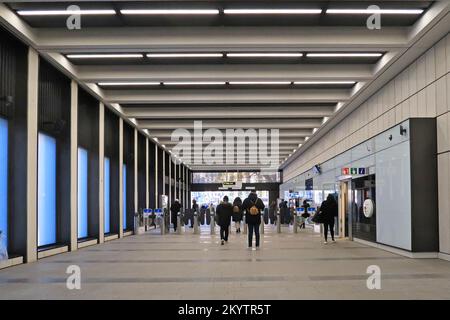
{"type": "Point", "coordinates": [175, 222]}
{"type": "Point", "coordinates": [253, 227]}
{"type": "Point", "coordinates": [224, 233]}
{"type": "Point", "coordinates": [331, 227]}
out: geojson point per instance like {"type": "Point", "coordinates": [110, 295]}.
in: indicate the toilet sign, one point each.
{"type": "Point", "coordinates": [353, 171]}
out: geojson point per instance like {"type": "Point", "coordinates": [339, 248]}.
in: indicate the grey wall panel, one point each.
{"type": "Point", "coordinates": [393, 194]}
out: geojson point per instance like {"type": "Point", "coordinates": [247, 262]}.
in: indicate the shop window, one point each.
{"type": "Point", "coordinates": [4, 180]}
{"type": "Point", "coordinates": [46, 190]}
{"type": "Point", "coordinates": [82, 193]}
{"type": "Point", "coordinates": [107, 190]}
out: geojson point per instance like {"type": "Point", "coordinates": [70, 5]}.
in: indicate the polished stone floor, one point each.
{"type": "Point", "coordinates": [188, 266]}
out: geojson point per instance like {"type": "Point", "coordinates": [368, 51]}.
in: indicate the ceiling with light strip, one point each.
{"type": "Point", "coordinates": [287, 65]}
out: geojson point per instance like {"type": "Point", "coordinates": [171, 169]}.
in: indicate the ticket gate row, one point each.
{"type": "Point", "coordinates": [161, 219]}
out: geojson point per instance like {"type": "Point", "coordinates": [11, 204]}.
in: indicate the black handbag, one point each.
{"type": "Point", "coordinates": [317, 218]}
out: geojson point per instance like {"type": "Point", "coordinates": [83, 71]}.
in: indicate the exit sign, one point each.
{"type": "Point", "coordinates": [353, 171]}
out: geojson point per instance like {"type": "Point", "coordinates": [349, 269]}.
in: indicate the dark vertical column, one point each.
{"type": "Point", "coordinates": [424, 186]}
{"type": "Point", "coordinates": [112, 152]}
{"type": "Point", "coordinates": [128, 159]}
{"type": "Point", "coordinates": [13, 83]}
{"type": "Point", "coordinates": [142, 185]}
{"type": "Point", "coordinates": [88, 133]}
{"type": "Point", "coordinates": [152, 174]}
{"type": "Point", "coordinates": [54, 120]}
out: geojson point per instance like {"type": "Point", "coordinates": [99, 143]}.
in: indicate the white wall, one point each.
{"type": "Point", "coordinates": [421, 90]}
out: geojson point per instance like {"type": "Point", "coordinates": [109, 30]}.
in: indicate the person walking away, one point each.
{"type": "Point", "coordinates": [174, 209]}
{"type": "Point", "coordinates": [194, 209]}
{"type": "Point", "coordinates": [329, 210]}
{"type": "Point", "coordinates": [237, 213]}
{"type": "Point", "coordinates": [224, 211]}
{"type": "Point", "coordinates": [253, 206]}
{"type": "Point", "coordinates": [272, 211]}
{"type": "Point", "coordinates": [305, 215]}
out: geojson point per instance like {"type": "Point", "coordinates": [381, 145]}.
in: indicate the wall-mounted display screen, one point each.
{"type": "Point", "coordinates": [215, 197]}
{"type": "Point", "coordinates": [244, 177]}
{"type": "Point", "coordinates": [46, 190]}
{"type": "Point", "coordinates": [4, 181]}
{"type": "Point", "coordinates": [107, 193]}
{"type": "Point", "coordinates": [82, 193]}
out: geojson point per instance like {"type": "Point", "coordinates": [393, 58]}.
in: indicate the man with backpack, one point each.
{"type": "Point", "coordinates": [253, 206]}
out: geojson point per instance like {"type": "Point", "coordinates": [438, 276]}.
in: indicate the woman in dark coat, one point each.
{"type": "Point", "coordinates": [224, 211]}
{"type": "Point", "coordinates": [237, 213]}
{"type": "Point", "coordinates": [329, 210]}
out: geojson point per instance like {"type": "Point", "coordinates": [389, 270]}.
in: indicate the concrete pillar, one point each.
{"type": "Point", "coordinates": [147, 173]}
{"type": "Point", "coordinates": [32, 152]}
{"type": "Point", "coordinates": [164, 172]}
{"type": "Point", "coordinates": [73, 166]}
{"type": "Point", "coordinates": [170, 181]}
{"type": "Point", "coordinates": [136, 176]}
{"type": "Point", "coordinates": [180, 176]}
{"type": "Point", "coordinates": [120, 177]}
{"type": "Point", "coordinates": [174, 179]}
{"type": "Point", "coordinates": [156, 177]}
{"type": "Point", "coordinates": [101, 173]}
{"type": "Point", "coordinates": [183, 191]}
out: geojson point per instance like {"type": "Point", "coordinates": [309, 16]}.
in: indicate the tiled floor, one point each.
{"type": "Point", "coordinates": [288, 266]}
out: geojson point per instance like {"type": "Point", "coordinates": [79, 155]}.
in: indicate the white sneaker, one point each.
{"type": "Point", "coordinates": [325, 242]}
{"type": "Point", "coordinates": [333, 241]}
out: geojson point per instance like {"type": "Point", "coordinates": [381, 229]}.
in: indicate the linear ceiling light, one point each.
{"type": "Point", "coordinates": [129, 83]}
{"type": "Point", "coordinates": [260, 82]}
{"type": "Point", "coordinates": [343, 55]}
{"type": "Point", "coordinates": [105, 56]}
{"type": "Point", "coordinates": [184, 55]}
{"type": "Point", "coordinates": [266, 54]}
{"type": "Point", "coordinates": [272, 11]}
{"type": "Point", "coordinates": [171, 11]}
{"type": "Point", "coordinates": [374, 11]}
{"type": "Point", "coordinates": [194, 83]}
{"type": "Point", "coordinates": [64, 12]}
{"type": "Point", "coordinates": [324, 82]}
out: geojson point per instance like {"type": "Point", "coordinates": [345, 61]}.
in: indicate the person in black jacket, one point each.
{"type": "Point", "coordinates": [194, 209]}
{"type": "Point", "coordinates": [174, 209]}
{"type": "Point", "coordinates": [253, 221]}
{"type": "Point", "coordinates": [329, 210]}
{"type": "Point", "coordinates": [237, 213]}
{"type": "Point", "coordinates": [224, 211]}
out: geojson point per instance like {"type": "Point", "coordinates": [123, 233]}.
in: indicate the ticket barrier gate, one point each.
{"type": "Point", "coordinates": [196, 223]}
{"type": "Point", "coordinates": [160, 220]}
{"type": "Point", "coordinates": [179, 225]}
{"type": "Point", "coordinates": [149, 218]}
{"type": "Point", "coordinates": [278, 221]}
{"type": "Point", "coordinates": [212, 223]}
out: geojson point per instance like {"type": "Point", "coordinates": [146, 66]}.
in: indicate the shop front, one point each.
{"type": "Point", "coordinates": [377, 185]}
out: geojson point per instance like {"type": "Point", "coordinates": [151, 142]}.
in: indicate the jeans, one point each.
{"type": "Point", "coordinates": [224, 233]}
{"type": "Point", "coordinates": [331, 226]}
{"type": "Point", "coordinates": [252, 227]}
